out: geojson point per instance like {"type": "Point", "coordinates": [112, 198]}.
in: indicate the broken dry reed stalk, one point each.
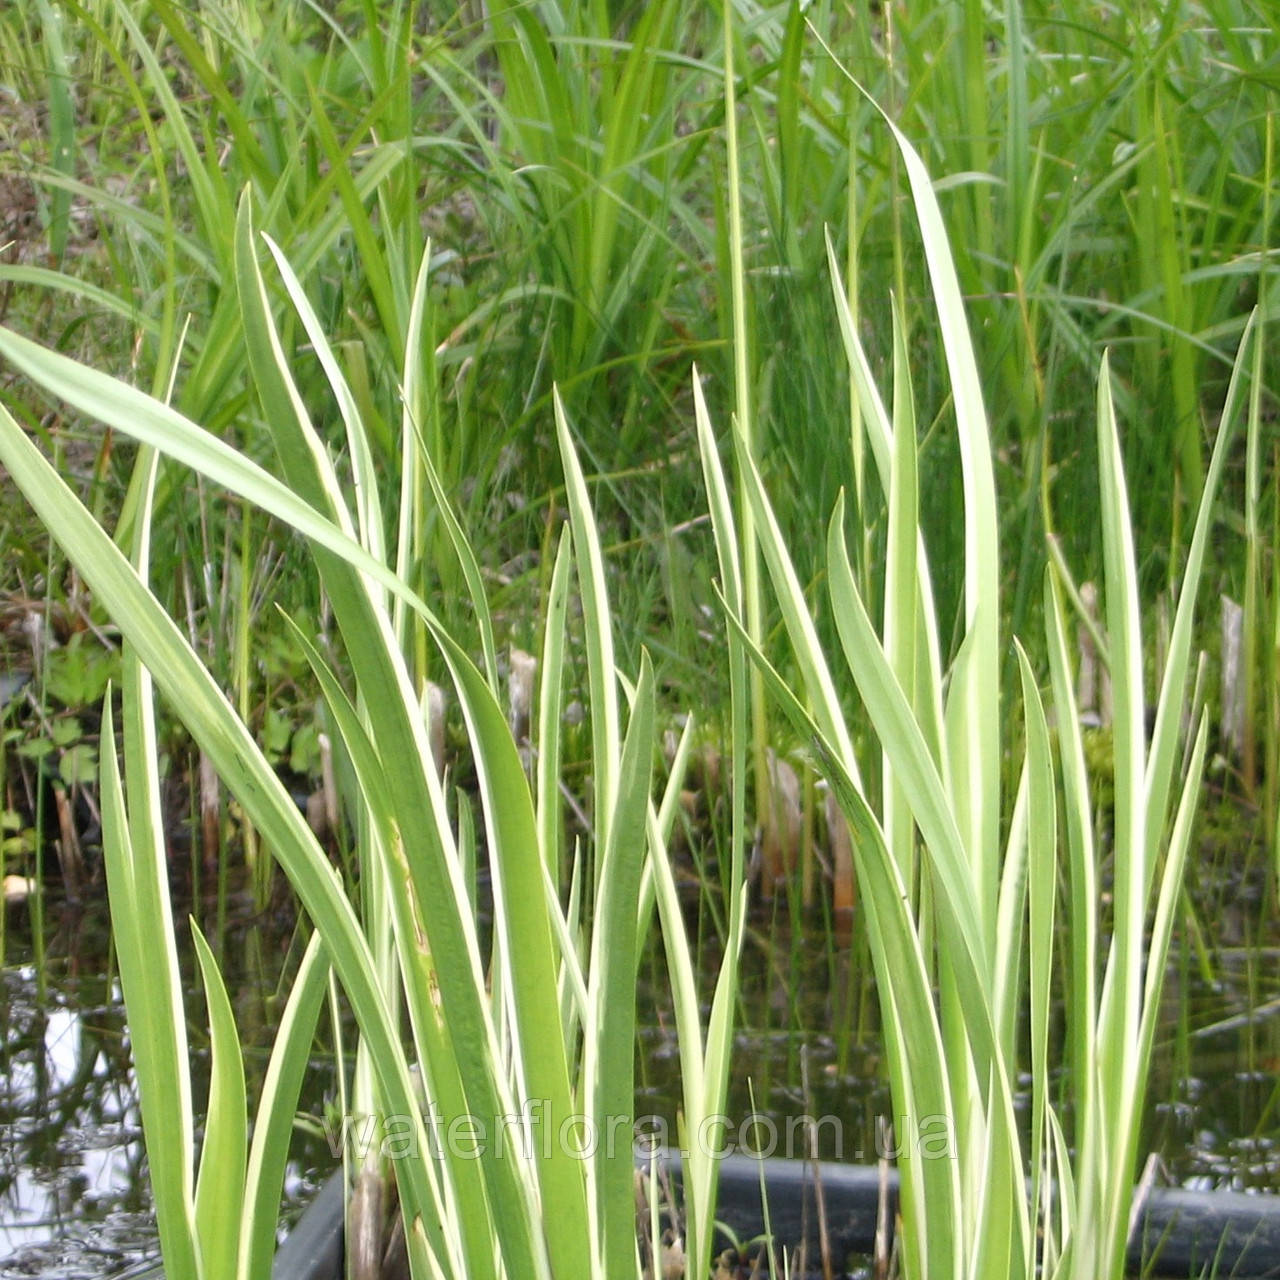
{"type": "Point", "coordinates": [1231, 696]}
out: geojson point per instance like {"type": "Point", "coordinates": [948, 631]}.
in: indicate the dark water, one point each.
{"type": "Point", "coordinates": [73, 1190]}
{"type": "Point", "coordinates": [71, 1158]}
{"type": "Point", "coordinates": [73, 1198]}
{"type": "Point", "coordinates": [1213, 1093]}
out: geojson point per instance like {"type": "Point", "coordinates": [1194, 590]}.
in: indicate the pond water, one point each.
{"type": "Point", "coordinates": [70, 1185]}
{"type": "Point", "coordinates": [73, 1199]}
{"type": "Point", "coordinates": [1213, 1094]}
{"type": "Point", "coordinates": [73, 1192]}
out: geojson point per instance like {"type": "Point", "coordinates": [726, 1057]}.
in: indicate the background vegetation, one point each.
{"type": "Point", "coordinates": [601, 215]}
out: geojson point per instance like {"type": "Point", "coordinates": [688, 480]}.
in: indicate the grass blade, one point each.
{"type": "Point", "coordinates": [220, 1185]}
{"type": "Point", "coordinates": [269, 1149]}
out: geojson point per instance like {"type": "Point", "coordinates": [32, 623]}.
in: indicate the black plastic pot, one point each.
{"type": "Point", "coordinates": [313, 1250]}
{"type": "Point", "coordinates": [1179, 1233]}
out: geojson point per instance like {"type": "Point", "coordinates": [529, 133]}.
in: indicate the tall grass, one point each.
{"type": "Point", "coordinates": [960, 903]}
{"type": "Point", "coordinates": [542, 1035]}
{"type": "Point", "coordinates": [1107, 185]}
